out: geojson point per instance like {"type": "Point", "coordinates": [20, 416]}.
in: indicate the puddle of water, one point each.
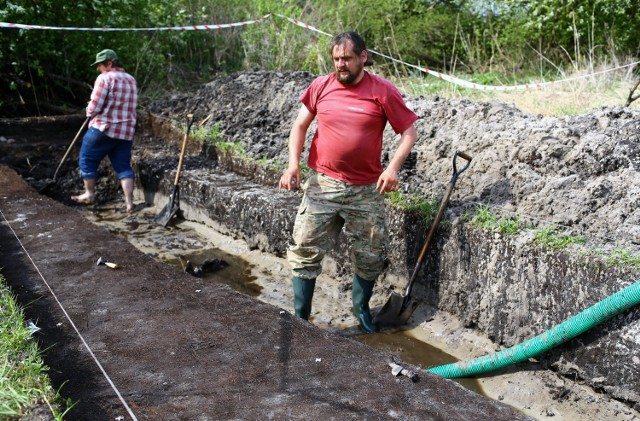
{"type": "Point", "coordinates": [176, 245]}
{"type": "Point", "coordinates": [237, 273]}
{"type": "Point", "coordinates": [415, 352]}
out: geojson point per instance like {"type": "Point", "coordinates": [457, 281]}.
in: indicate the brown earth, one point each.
{"type": "Point", "coordinates": [579, 172]}
{"type": "Point", "coordinates": [173, 347]}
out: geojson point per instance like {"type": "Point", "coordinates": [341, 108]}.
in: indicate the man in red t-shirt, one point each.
{"type": "Point", "coordinates": [346, 190]}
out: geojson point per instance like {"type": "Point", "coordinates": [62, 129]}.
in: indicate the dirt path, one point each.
{"type": "Point", "coordinates": [541, 394]}
{"type": "Point", "coordinates": [175, 347]}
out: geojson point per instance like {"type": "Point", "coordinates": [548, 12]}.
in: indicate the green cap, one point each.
{"type": "Point", "coordinates": [105, 55]}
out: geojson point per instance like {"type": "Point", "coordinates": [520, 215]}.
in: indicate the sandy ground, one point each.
{"type": "Point", "coordinates": [535, 392]}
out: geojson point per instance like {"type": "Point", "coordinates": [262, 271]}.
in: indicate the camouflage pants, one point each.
{"type": "Point", "coordinates": [328, 207]}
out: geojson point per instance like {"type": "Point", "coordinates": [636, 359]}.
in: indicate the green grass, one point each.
{"type": "Point", "coordinates": [413, 203]}
{"type": "Point", "coordinates": [623, 258]}
{"type": "Point", "coordinates": [236, 148]}
{"type": "Point", "coordinates": [557, 99]}
{"type": "Point", "coordinates": [207, 135]}
{"type": "Point", "coordinates": [550, 237]}
{"type": "Point", "coordinates": [23, 376]}
{"type": "Point", "coordinates": [484, 218]}
{"type": "Point", "coordinates": [545, 237]}
{"type": "Point", "coordinates": [212, 136]}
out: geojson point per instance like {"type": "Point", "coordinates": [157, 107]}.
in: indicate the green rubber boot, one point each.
{"type": "Point", "coordinates": [302, 296]}
{"type": "Point", "coordinates": [361, 292]}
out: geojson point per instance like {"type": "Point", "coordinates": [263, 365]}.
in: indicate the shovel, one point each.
{"type": "Point", "coordinates": [50, 182]}
{"type": "Point", "coordinates": [398, 309]}
{"type": "Point", "coordinates": [73, 142]}
{"type": "Point", "coordinates": [172, 208]}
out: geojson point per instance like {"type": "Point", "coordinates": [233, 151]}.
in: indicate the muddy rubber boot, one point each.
{"type": "Point", "coordinates": [361, 292]}
{"type": "Point", "coordinates": [302, 296]}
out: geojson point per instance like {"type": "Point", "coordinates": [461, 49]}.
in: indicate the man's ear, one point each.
{"type": "Point", "coordinates": [365, 58]}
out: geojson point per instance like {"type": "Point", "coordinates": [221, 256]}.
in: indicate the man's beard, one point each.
{"type": "Point", "coordinates": [347, 79]}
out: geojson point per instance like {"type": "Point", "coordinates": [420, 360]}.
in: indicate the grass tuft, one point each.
{"type": "Point", "coordinates": [24, 382]}
{"type": "Point", "coordinates": [550, 238]}
{"type": "Point", "coordinates": [426, 208]}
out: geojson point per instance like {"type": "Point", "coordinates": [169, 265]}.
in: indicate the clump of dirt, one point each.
{"type": "Point", "coordinates": [579, 173]}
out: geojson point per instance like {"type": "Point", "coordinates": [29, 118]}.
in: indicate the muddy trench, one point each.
{"type": "Point", "coordinates": [502, 287]}
{"type": "Point", "coordinates": [479, 292]}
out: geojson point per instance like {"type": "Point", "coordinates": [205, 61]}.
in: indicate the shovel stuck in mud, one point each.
{"type": "Point", "coordinates": [398, 309]}
{"type": "Point", "coordinates": [50, 182]}
{"type": "Point", "coordinates": [73, 142]}
{"type": "Point", "coordinates": [171, 209]}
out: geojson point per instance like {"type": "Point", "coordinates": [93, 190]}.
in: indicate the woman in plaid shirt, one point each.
{"type": "Point", "coordinates": [112, 110]}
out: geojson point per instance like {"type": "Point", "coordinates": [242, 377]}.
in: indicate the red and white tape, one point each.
{"type": "Point", "coordinates": [461, 82]}
{"type": "Point", "coordinates": [168, 28]}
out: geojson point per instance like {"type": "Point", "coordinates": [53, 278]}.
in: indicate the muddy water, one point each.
{"type": "Point", "coordinates": [177, 245]}
{"type": "Point", "coordinates": [253, 274]}
{"type": "Point", "coordinates": [413, 351]}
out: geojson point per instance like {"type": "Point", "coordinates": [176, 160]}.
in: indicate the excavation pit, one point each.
{"type": "Point", "coordinates": [480, 292]}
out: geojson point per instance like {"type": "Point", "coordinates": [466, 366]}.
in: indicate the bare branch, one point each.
{"type": "Point", "coordinates": [632, 98]}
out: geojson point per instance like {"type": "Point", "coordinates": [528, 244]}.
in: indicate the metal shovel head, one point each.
{"type": "Point", "coordinates": [395, 311]}
{"type": "Point", "coordinates": [170, 210]}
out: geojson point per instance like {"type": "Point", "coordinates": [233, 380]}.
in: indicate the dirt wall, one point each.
{"type": "Point", "coordinates": [579, 172]}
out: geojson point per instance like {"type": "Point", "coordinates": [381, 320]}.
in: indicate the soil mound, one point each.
{"type": "Point", "coordinates": [579, 173]}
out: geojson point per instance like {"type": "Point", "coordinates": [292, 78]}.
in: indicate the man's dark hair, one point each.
{"type": "Point", "coordinates": [356, 40]}
{"type": "Point", "coordinates": [117, 63]}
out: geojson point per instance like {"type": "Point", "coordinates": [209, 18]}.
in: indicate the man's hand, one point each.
{"type": "Point", "coordinates": [289, 179]}
{"type": "Point", "coordinates": [388, 181]}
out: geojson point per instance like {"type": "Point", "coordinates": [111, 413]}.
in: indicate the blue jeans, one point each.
{"type": "Point", "coordinates": [95, 146]}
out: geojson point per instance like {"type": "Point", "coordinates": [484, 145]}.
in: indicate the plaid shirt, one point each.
{"type": "Point", "coordinates": [113, 104]}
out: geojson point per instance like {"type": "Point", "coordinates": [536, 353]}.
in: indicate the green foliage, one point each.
{"type": "Point", "coordinates": [234, 147]}
{"type": "Point", "coordinates": [575, 29]}
{"type": "Point", "coordinates": [208, 135]}
{"type": "Point", "coordinates": [550, 238]}
{"type": "Point", "coordinates": [23, 375]}
{"type": "Point", "coordinates": [55, 65]}
{"type": "Point", "coordinates": [413, 203]}
{"type": "Point", "coordinates": [498, 42]}
{"type": "Point", "coordinates": [509, 226]}
{"type": "Point", "coordinates": [621, 257]}
{"type": "Point", "coordinates": [275, 44]}
{"type": "Point", "coordinates": [484, 218]}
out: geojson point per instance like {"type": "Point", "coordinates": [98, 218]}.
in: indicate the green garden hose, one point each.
{"type": "Point", "coordinates": [569, 329]}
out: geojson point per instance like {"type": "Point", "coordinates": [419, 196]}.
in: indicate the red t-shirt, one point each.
{"type": "Point", "coordinates": [347, 144]}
